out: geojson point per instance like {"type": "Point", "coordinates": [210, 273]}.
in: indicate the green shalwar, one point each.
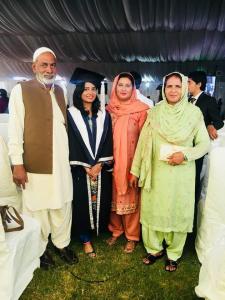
{"type": "Point", "coordinates": [168, 192]}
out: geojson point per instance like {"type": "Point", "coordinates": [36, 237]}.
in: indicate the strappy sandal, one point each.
{"type": "Point", "coordinates": [111, 241]}
{"type": "Point", "coordinates": [91, 253]}
{"type": "Point", "coordinates": [150, 259]}
{"type": "Point", "coordinates": [172, 264]}
{"type": "Point", "coordinates": [130, 246]}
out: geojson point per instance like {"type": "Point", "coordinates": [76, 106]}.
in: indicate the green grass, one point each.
{"type": "Point", "coordinates": [124, 275]}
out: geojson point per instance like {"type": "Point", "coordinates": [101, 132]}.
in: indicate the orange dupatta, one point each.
{"type": "Point", "coordinates": [121, 112]}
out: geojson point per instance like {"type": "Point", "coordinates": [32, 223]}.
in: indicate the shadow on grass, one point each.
{"type": "Point", "coordinates": [116, 275]}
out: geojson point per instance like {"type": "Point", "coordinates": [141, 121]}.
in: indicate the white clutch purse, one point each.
{"type": "Point", "coordinates": [168, 149]}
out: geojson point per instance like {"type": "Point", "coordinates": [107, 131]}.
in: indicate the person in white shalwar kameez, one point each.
{"type": "Point", "coordinates": [210, 241]}
{"type": "Point", "coordinates": [47, 197]}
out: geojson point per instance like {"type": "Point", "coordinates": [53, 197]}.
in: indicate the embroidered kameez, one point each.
{"type": "Point", "coordinates": [127, 119]}
{"type": "Point", "coordinates": [167, 197]}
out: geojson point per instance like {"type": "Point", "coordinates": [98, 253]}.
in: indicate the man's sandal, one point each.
{"type": "Point", "coordinates": [171, 265]}
{"type": "Point", "coordinates": [150, 259]}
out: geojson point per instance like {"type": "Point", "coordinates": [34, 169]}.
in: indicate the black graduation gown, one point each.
{"type": "Point", "coordinates": [81, 155]}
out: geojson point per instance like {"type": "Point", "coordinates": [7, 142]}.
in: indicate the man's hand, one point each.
{"type": "Point", "coordinates": [212, 132]}
{"type": "Point", "coordinates": [133, 181]}
{"type": "Point", "coordinates": [20, 175]}
{"type": "Point", "coordinates": [176, 158]}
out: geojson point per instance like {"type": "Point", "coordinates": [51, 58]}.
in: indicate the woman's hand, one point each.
{"type": "Point", "coordinates": [133, 181]}
{"type": "Point", "coordinates": [88, 171]}
{"type": "Point", "coordinates": [176, 159]}
{"type": "Point", "coordinates": [95, 170]}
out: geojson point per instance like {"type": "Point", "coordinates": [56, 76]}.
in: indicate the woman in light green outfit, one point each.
{"type": "Point", "coordinates": [173, 136]}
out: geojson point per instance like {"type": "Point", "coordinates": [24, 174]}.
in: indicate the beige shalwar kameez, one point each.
{"type": "Point", "coordinates": [47, 197]}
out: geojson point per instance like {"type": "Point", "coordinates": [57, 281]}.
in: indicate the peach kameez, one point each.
{"type": "Point", "coordinates": [127, 121]}
{"type": "Point", "coordinates": [125, 215]}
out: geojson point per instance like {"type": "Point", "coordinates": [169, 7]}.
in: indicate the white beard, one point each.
{"type": "Point", "coordinates": [44, 80]}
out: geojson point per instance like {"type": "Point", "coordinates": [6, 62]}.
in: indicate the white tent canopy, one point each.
{"type": "Point", "coordinates": [109, 36]}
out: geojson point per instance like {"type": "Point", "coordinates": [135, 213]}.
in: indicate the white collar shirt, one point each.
{"type": "Point", "coordinates": [196, 97]}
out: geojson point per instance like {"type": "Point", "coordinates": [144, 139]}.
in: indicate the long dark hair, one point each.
{"type": "Point", "coordinates": [78, 102]}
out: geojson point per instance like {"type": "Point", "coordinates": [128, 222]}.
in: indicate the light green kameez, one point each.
{"type": "Point", "coordinates": [169, 205]}
{"type": "Point", "coordinates": [167, 195]}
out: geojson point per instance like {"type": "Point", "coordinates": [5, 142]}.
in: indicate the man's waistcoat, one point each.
{"type": "Point", "coordinates": [38, 126]}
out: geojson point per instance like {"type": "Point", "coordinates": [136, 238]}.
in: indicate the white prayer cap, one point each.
{"type": "Point", "coordinates": [41, 50]}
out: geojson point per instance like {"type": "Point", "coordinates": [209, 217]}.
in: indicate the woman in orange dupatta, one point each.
{"type": "Point", "coordinates": [128, 116]}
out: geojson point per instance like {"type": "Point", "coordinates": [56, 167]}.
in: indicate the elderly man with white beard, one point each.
{"type": "Point", "coordinates": [38, 148]}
